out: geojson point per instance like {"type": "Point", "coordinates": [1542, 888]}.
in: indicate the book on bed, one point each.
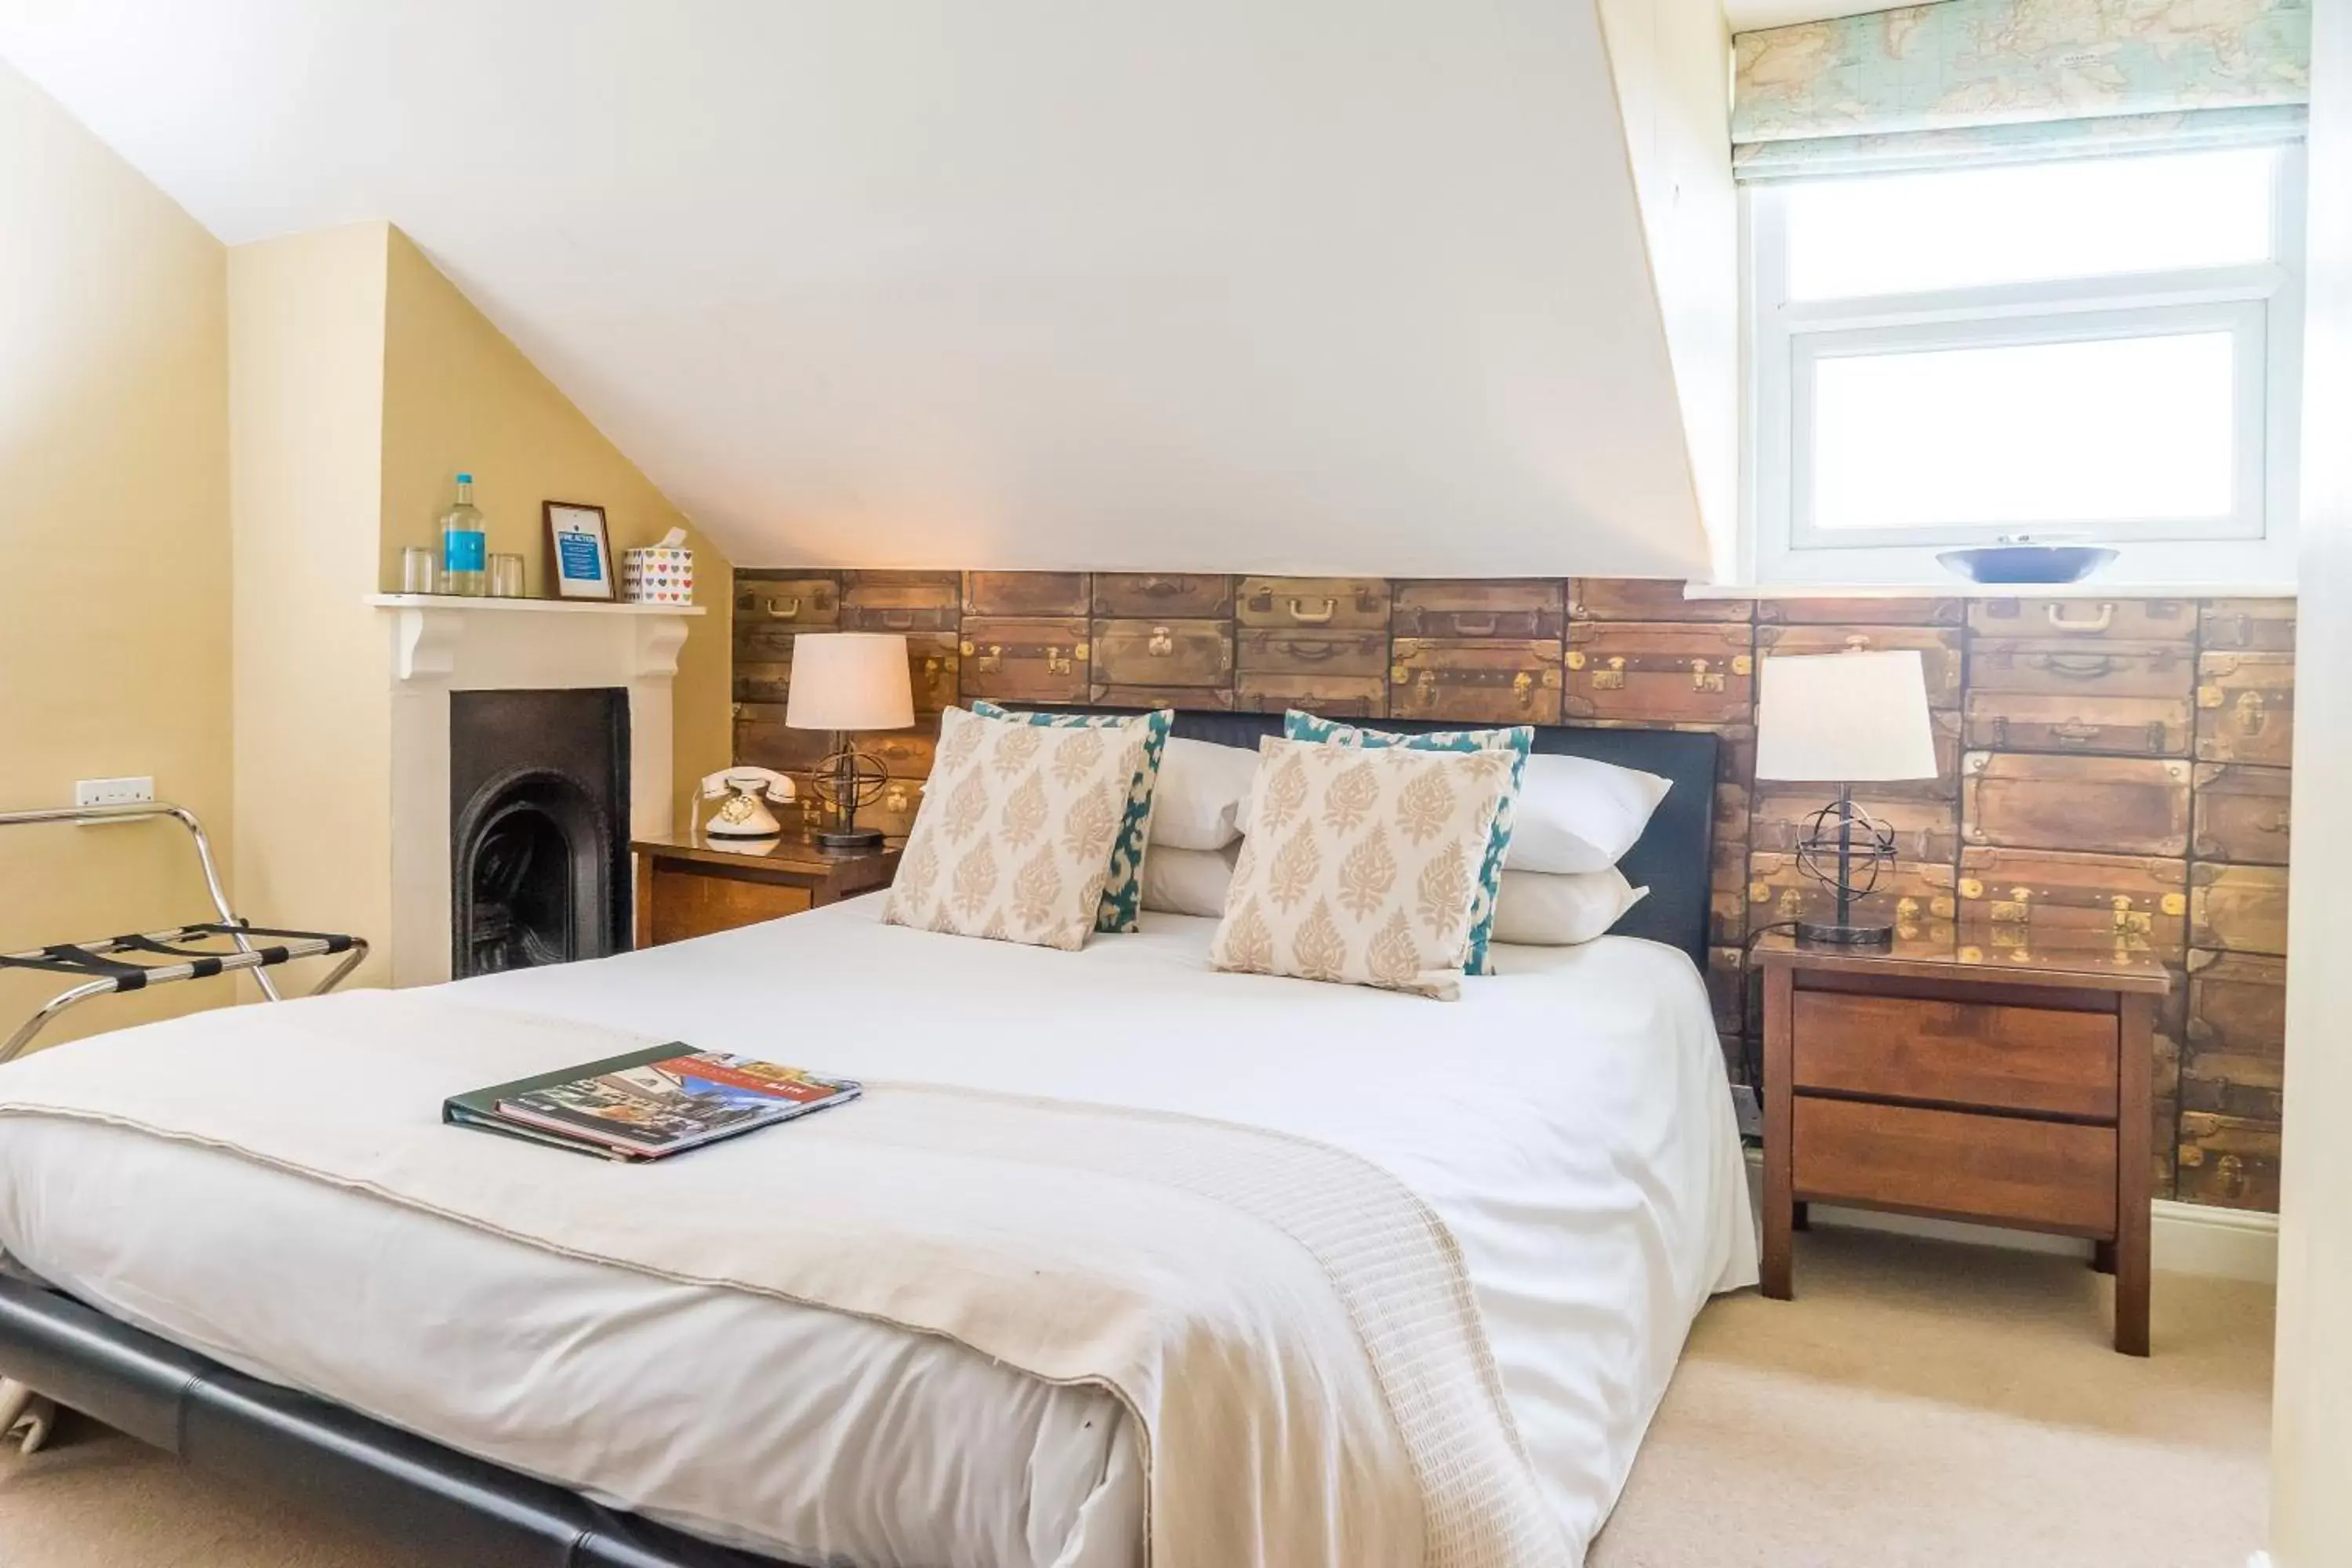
{"type": "Point", "coordinates": [661, 1101]}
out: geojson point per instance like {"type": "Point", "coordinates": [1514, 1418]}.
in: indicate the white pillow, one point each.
{"type": "Point", "coordinates": [1188, 882]}
{"type": "Point", "coordinates": [1578, 815]}
{"type": "Point", "coordinates": [1199, 796]}
{"type": "Point", "coordinates": [1543, 909]}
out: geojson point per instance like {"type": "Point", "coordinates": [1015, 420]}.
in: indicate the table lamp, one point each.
{"type": "Point", "coordinates": [1847, 719]}
{"type": "Point", "coordinates": [843, 681]}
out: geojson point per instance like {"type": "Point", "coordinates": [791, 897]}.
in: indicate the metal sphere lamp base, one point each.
{"type": "Point", "coordinates": [1861, 844]}
{"type": "Point", "coordinates": [844, 781]}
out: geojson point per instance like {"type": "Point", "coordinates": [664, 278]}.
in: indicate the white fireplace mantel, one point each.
{"type": "Point", "coordinates": [443, 643]}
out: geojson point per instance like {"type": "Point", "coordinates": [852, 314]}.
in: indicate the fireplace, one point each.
{"type": "Point", "coordinates": [539, 814]}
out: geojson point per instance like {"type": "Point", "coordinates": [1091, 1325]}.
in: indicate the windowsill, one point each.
{"type": "Point", "coordinates": [2165, 569]}
{"type": "Point", "coordinates": [1959, 588]}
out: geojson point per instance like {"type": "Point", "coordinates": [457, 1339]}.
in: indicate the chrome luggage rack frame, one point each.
{"type": "Point", "coordinates": [183, 948]}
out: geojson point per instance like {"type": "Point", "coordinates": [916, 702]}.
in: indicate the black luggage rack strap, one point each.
{"type": "Point", "coordinates": [197, 950]}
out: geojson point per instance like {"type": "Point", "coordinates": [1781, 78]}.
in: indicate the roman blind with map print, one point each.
{"type": "Point", "coordinates": [2004, 81]}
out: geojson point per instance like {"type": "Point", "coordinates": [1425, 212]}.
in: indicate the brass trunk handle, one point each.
{"type": "Point", "coordinates": [2087, 625]}
{"type": "Point", "coordinates": [1309, 652]}
{"type": "Point", "coordinates": [1162, 587]}
{"type": "Point", "coordinates": [898, 620]}
{"type": "Point", "coordinates": [1306, 617]}
{"type": "Point", "coordinates": [1473, 626]}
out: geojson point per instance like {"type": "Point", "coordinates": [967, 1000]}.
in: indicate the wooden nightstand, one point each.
{"type": "Point", "coordinates": [691, 887]}
{"type": "Point", "coordinates": [1968, 1083]}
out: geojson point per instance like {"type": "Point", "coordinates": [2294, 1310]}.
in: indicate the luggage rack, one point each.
{"type": "Point", "coordinates": [197, 950]}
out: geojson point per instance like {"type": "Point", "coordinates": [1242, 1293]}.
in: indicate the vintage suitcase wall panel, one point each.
{"type": "Point", "coordinates": [2079, 721]}
{"type": "Point", "coordinates": [2239, 813]}
{"type": "Point", "coordinates": [2057, 665]}
{"type": "Point", "coordinates": [1026, 593]}
{"type": "Point", "coordinates": [2245, 708]}
{"type": "Point", "coordinates": [2031, 801]}
{"type": "Point", "coordinates": [2081, 708]}
{"type": "Point", "coordinates": [1453, 608]}
{"type": "Point", "coordinates": [1940, 656]}
{"type": "Point", "coordinates": [2239, 908]}
{"type": "Point", "coordinates": [1333, 604]}
{"type": "Point", "coordinates": [2235, 1052]}
{"type": "Point", "coordinates": [1654, 671]}
{"type": "Point", "coordinates": [1498, 680]}
{"type": "Point", "coordinates": [1040, 660]}
{"type": "Point", "coordinates": [901, 601]}
{"type": "Point", "coordinates": [2118, 620]}
{"type": "Point", "coordinates": [2247, 625]}
{"type": "Point", "coordinates": [1154, 595]}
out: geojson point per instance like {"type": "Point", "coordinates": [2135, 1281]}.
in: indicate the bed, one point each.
{"type": "Point", "coordinates": [1578, 1145]}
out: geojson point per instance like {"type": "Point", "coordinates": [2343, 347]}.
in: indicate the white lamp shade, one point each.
{"type": "Point", "coordinates": [1844, 718]}
{"type": "Point", "coordinates": [849, 680]}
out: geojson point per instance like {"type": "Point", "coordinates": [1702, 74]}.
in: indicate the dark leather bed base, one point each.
{"type": "Point", "coordinates": [455, 1510]}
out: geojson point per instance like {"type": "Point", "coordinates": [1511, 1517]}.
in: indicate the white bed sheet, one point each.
{"type": "Point", "coordinates": [1568, 1118]}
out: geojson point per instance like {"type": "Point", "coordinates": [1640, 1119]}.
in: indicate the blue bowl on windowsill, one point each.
{"type": "Point", "coordinates": [2021, 560]}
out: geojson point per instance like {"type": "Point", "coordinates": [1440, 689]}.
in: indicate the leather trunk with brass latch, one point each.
{"type": "Point", "coordinates": [1328, 604]}
{"type": "Point", "coordinates": [2233, 1059]}
{"type": "Point", "coordinates": [1479, 680]}
{"type": "Point", "coordinates": [1026, 593]}
{"type": "Point", "coordinates": [1044, 659]}
{"type": "Point", "coordinates": [1156, 596]}
{"type": "Point", "coordinates": [1660, 672]}
{"type": "Point", "coordinates": [2245, 708]}
{"type": "Point", "coordinates": [901, 601]}
{"type": "Point", "coordinates": [2016, 897]}
{"type": "Point", "coordinates": [2050, 665]}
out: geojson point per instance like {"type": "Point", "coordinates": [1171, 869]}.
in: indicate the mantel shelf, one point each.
{"type": "Point", "coordinates": [560, 607]}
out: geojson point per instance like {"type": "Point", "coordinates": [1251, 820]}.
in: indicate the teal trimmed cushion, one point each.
{"type": "Point", "coordinates": [1519, 740]}
{"type": "Point", "coordinates": [1122, 896]}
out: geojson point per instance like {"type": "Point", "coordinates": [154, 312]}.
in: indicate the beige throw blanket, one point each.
{"type": "Point", "coordinates": [1291, 1327]}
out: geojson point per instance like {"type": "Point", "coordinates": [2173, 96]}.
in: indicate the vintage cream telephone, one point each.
{"type": "Point", "coordinates": [746, 790]}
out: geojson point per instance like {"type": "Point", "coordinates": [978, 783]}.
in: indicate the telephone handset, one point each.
{"type": "Point", "coordinates": [745, 791]}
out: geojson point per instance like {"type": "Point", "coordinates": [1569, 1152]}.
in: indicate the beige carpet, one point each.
{"type": "Point", "coordinates": [1920, 1403]}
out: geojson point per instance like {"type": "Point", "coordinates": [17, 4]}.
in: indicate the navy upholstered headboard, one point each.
{"type": "Point", "coordinates": [1673, 854]}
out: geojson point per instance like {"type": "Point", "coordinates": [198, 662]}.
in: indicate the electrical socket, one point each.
{"type": "Point", "coordinates": [114, 791]}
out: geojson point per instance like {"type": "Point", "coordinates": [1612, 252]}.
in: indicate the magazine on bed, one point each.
{"type": "Point", "coordinates": [661, 1101]}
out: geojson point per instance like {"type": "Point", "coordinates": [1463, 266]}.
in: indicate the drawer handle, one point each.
{"type": "Point", "coordinates": [2087, 625]}
{"type": "Point", "coordinates": [1316, 617]}
{"type": "Point", "coordinates": [784, 609]}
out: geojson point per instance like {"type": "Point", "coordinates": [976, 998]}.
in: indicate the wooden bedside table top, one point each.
{"type": "Point", "coordinates": [794, 853]}
{"type": "Point", "coordinates": [1948, 955]}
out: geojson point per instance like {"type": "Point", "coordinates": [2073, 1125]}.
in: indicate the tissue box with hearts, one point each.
{"type": "Point", "coordinates": [660, 573]}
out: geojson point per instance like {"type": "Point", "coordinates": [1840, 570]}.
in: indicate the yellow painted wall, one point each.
{"type": "Point", "coordinates": [459, 397]}
{"type": "Point", "coordinates": [114, 609]}
{"type": "Point", "coordinates": [312, 660]}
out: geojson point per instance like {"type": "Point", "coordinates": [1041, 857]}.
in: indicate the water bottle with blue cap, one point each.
{"type": "Point", "coordinates": [464, 546]}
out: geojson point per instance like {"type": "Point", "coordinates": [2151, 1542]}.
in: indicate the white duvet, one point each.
{"type": "Point", "coordinates": [1567, 1119]}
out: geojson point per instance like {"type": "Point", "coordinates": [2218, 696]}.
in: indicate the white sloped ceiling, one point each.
{"type": "Point", "coordinates": [1304, 285]}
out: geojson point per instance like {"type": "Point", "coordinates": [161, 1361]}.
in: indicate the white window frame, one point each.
{"type": "Point", "coordinates": [2261, 305]}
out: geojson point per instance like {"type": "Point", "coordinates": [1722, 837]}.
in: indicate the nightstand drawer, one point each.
{"type": "Point", "coordinates": [2055, 1175]}
{"type": "Point", "coordinates": [1959, 1053]}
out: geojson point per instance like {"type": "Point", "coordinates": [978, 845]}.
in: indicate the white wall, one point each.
{"type": "Point", "coordinates": [2311, 1443]}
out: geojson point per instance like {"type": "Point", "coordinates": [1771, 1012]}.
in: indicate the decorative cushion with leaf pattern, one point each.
{"type": "Point", "coordinates": [1517, 742]}
{"type": "Point", "coordinates": [1361, 865]}
{"type": "Point", "coordinates": [1122, 894]}
{"type": "Point", "coordinates": [1015, 836]}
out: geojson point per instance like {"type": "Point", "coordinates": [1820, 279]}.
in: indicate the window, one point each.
{"type": "Point", "coordinates": [2105, 348]}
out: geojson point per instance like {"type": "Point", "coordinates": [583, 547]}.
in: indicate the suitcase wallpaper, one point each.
{"type": "Point", "coordinates": [2114, 770]}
